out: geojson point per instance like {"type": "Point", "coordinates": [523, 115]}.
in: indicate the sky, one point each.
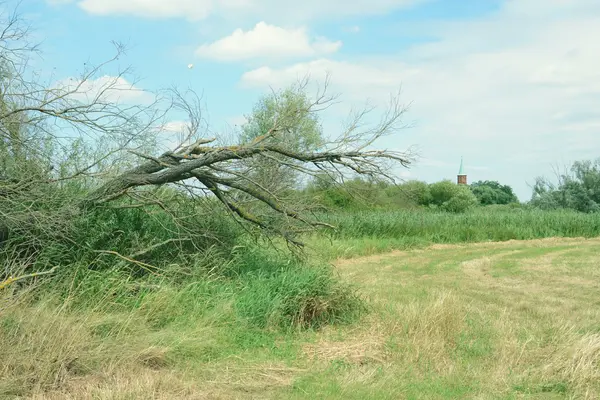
{"type": "Point", "coordinates": [513, 86]}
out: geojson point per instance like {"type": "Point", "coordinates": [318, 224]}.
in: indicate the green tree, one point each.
{"type": "Point", "coordinates": [284, 118]}
{"type": "Point", "coordinates": [587, 174]}
{"type": "Point", "coordinates": [577, 189]}
{"type": "Point", "coordinates": [289, 114]}
{"type": "Point", "coordinates": [417, 191]}
{"type": "Point", "coordinates": [462, 201]}
{"type": "Point", "coordinates": [492, 192]}
{"type": "Point", "coordinates": [442, 191]}
{"type": "Point", "coordinates": [451, 197]}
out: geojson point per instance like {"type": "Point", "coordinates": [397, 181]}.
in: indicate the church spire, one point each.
{"type": "Point", "coordinates": [462, 177]}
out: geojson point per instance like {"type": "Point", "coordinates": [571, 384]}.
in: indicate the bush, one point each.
{"type": "Point", "coordinates": [297, 297]}
{"type": "Point", "coordinates": [451, 197]}
{"type": "Point", "coordinates": [462, 201]}
{"type": "Point", "coordinates": [441, 192]}
{"type": "Point", "coordinates": [417, 191]}
{"type": "Point", "coordinates": [492, 192]}
{"type": "Point", "coordinates": [149, 235]}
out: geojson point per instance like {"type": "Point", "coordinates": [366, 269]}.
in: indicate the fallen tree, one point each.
{"type": "Point", "coordinates": [223, 171]}
{"type": "Point", "coordinates": [68, 150]}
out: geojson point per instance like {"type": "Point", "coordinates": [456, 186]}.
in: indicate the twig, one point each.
{"type": "Point", "coordinates": [12, 280]}
{"type": "Point", "coordinates": [157, 245]}
{"type": "Point", "coordinates": [146, 267]}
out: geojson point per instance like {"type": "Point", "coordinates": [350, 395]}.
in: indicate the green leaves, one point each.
{"type": "Point", "coordinates": [492, 192]}
{"type": "Point", "coordinates": [290, 110]}
{"type": "Point", "coordinates": [578, 190]}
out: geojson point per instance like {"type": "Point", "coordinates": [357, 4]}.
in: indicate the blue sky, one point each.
{"type": "Point", "coordinates": [511, 85]}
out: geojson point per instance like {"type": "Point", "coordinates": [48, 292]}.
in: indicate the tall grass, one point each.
{"type": "Point", "coordinates": [366, 232]}
{"type": "Point", "coordinates": [86, 323]}
{"type": "Point", "coordinates": [141, 287]}
{"type": "Point", "coordinates": [477, 226]}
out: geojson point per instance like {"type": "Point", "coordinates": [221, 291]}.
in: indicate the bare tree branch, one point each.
{"type": "Point", "coordinates": [225, 173]}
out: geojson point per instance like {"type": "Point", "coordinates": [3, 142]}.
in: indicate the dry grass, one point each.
{"type": "Point", "coordinates": [361, 347]}
{"type": "Point", "coordinates": [51, 354]}
{"type": "Point", "coordinates": [502, 319]}
{"type": "Point", "coordinates": [228, 382]}
{"type": "Point", "coordinates": [128, 384]}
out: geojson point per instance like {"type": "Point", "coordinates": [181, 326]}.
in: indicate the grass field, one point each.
{"type": "Point", "coordinates": [516, 319]}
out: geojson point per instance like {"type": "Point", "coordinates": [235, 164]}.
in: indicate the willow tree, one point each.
{"type": "Point", "coordinates": [260, 165]}
{"type": "Point", "coordinates": [108, 154]}
{"type": "Point", "coordinates": [303, 132]}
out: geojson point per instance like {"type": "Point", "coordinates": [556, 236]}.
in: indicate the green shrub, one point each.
{"type": "Point", "coordinates": [492, 192]}
{"type": "Point", "coordinates": [297, 297]}
{"type": "Point", "coordinates": [412, 192]}
{"type": "Point", "coordinates": [462, 201]}
{"type": "Point", "coordinates": [451, 197]}
{"type": "Point", "coordinates": [442, 191]}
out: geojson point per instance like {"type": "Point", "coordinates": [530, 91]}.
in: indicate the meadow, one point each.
{"type": "Point", "coordinates": [496, 303]}
{"type": "Point", "coordinates": [145, 253]}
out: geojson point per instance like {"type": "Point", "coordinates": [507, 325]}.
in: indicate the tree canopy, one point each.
{"type": "Point", "coordinates": [492, 192]}
{"type": "Point", "coordinates": [577, 188]}
{"type": "Point", "coordinates": [451, 197]}
{"type": "Point", "coordinates": [302, 132]}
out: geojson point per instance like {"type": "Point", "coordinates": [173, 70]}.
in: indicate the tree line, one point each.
{"type": "Point", "coordinates": [578, 188]}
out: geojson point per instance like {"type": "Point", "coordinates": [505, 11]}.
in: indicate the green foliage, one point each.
{"type": "Point", "coordinates": [324, 190]}
{"type": "Point", "coordinates": [451, 197]}
{"type": "Point", "coordinates": [290, 109]}
{"type": "Point", "coordinates": [299, 130]}
{"type": "Point", "coordinates": [494, 223]}
{"type": "Point", "coordinates": [462, 201]}
{"type": "Point", "coordinates": [150, 235]}
{"type": "Point", "coordinates": [417, 191]}
{"type": "Point", "coordinates": [442, 192]}
{"type": "Point", "coordinates": [361, 194]}
{"type": "Point", "coordinates": [354, 193]}
{"type": "Point", "coordinates": [578, 189]}
{"type": "Point", "coordinates": [296, 297]}
{"type": "Point", "coordinates": [492, 192]}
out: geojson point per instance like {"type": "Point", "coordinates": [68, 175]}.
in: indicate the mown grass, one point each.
{"type": "Point", "coordinates": [485, 320]}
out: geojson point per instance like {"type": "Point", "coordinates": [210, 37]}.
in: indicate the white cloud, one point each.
{"type": "Point", "coordinates": [277, 10]}
{"type": "Point", "coordinates": [269, 41]}
{"type": "Point", "coordinates": [106, 89]}
{"type": "Point", "coordinates": [172, 134]}
{"type": "Point", "coordinates": [352, 29]}
{"type": "Point", "coordinates": [237, 120]}
{"type": "Point", "coordinates": [514, 91]}
{"type": "Point", "coordinates": [352, 77]}
{"type": "Point", "coordinates": [190, 9]}
{"type": "Point", "coordinates": [181, 127]}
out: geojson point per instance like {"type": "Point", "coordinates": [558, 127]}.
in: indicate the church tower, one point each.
{"type": "Point", "coordinates": [462, 177]}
